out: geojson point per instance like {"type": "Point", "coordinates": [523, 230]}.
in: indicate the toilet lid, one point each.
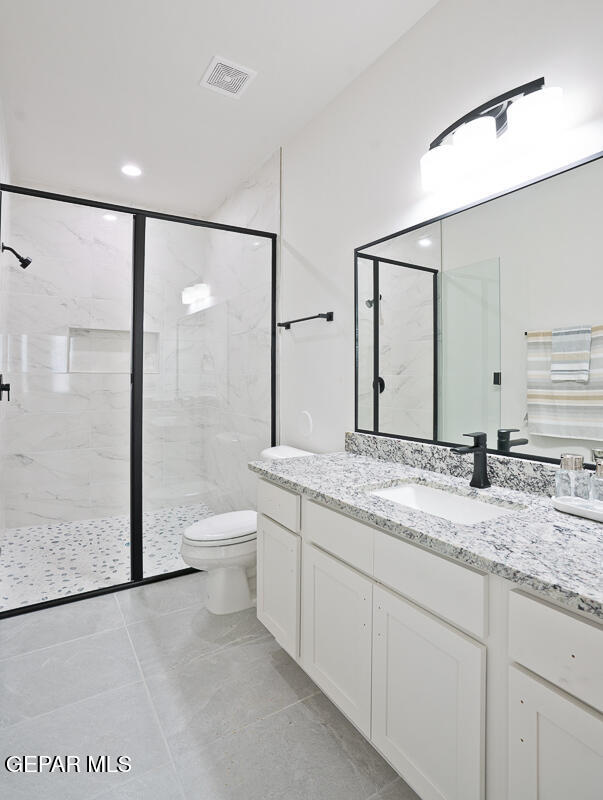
{"type": "Point", "coordinates": [223, 527]}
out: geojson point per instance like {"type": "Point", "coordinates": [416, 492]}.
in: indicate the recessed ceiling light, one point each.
{"type": "Point", "coordinates": [425, 242]}
{"type": "Point", "coordinates": [110, 217]}
{"type": "Point", "coordinates": [131, 170]}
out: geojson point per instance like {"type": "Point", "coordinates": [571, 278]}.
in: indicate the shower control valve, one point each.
{"type": "Point", "coordinates": [4, 387]}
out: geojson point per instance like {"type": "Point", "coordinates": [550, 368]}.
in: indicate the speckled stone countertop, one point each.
{"type": "Point", "coordinates": [557, 555]}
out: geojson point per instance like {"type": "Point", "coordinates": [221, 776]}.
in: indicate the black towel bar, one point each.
{"type": "Point", "coordinates": [286, 325]}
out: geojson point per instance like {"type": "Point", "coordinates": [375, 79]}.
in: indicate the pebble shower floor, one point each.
{"type": "Point", "coordinates": [45, 562]}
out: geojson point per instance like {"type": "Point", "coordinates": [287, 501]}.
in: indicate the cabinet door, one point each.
{"type": "Point", "coordinates": [336, 633]}
{"type": "Point", "coordinates": [278, 579]}
{"type": "Point", "coordinates": [428, 700]}
{"type": "Point", "coordinates": [555, 743]}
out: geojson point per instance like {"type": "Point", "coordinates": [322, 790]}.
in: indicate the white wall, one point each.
{"type": "Point", "coordinates": [352, 174]}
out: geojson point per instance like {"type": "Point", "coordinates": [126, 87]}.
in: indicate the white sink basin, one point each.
{"type": "Point", "coordinates": [450, 506]}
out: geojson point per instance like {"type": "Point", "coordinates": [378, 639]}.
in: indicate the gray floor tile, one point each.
{"type": "Point", "coordinates": [162, 597]}
{"type": "Point", "coordinates": [47, 679]}
{"type": "Point", "coordinates": [308, 751]}
{"type": "Point", "coordinates": [120, 722]}
{"type": "Point", "coordinates": [398, 790]}
{"type": "Point", "coordinates": [50, 626]}
{"type": "Point", "coordinates": [223, 693]}
{"type": "Point", "coordinates": [160, 783]}
{"type": "Point", "coordinates": [177, 639]}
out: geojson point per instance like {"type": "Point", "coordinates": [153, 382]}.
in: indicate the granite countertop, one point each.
{"type": "Point", "coordinates": [557, 555]}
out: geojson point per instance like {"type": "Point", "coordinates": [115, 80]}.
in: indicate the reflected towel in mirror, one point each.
{"type": "Point", "coordinates": [564, 409]}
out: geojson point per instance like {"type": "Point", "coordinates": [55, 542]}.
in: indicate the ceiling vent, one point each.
{"type": "Point", "coordinates": [227, 78]}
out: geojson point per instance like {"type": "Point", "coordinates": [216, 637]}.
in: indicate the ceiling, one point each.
{"type": "Point", "coordinates": [87, 86]}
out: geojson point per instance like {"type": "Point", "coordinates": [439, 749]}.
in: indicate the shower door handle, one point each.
{"type": "Point", "coordinates": [4, 387]}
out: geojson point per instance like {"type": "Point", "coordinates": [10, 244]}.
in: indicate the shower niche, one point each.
{"type": "Point", "coordinates": [109, 351]}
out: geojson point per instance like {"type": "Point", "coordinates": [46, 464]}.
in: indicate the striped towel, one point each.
{"type": "Point", "coordinates": [566, 410]}
{"type": "Point", "coordinates": [571, 354]}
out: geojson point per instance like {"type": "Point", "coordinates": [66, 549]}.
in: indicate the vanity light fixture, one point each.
{"type": "Point", "coordinates": [524, 114]}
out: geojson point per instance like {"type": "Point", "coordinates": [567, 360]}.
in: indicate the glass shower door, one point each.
{"type": "Point", "coordinates": [207, 378]}
{"type": "Point", "coordinates": [64, 435]}
{"type": "Point", "coordinates": [470, 340]}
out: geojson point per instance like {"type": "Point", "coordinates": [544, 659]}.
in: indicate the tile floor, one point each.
{"type": "Point", "coordinates": [207, 708]}
{"type": "Point", "coordinates": [43, 562]}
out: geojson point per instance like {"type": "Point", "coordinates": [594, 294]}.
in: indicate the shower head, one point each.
{"type": "Point", "coordinates": [23, 261]}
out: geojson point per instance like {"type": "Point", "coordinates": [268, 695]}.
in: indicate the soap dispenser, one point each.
{"type": "Point", "coordinates": [571, 479]}
{"type": "Point", "coordinates": [596, 483]}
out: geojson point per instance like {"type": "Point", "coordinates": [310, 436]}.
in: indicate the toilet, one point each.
{"type": "Point", "coordinates": [224, 546]}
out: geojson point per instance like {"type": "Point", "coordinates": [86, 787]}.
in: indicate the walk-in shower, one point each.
{"type": "Point", "coordinates": [141, 357]}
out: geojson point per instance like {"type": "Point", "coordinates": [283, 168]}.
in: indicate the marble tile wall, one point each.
{"type": "Point", "coordinates": [65, 431]}
{"type": "Point", "coordinates": [207, 412]}
{"type": "Point", "coordinates": [406, 351]}
{"type": "Point", "coordinates": [5, 235]}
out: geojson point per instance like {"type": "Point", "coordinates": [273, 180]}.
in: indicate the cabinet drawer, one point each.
{"type": "Point", "coordinates": [560, 647]}
{"type": "Point", "coordinates": [279, 504]}
{"type": "Point", "coordinates": [451, 591]}
{"type": "Point", "coordinates": [349, 540]}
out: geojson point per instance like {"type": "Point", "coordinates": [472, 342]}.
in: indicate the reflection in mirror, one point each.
{"type": "Point", "coordinates": [364, 344]}
{"type": "Point", "coordinates": [520, 319]}
{"type": "Point", "coordinates": [400, 331]}
{"type": "Point", "coordinates": [470, 348]}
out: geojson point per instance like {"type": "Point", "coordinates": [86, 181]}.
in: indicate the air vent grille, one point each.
{"type": "Point", "coordinates": [227, 78]}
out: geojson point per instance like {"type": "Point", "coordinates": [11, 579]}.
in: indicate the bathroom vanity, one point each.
{"type": "Point", "coordinates": [469, 652]}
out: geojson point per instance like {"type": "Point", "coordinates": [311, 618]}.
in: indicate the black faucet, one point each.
{"type": "Point", "coordinates": [505, 443]}
{"type": "Point", "coordinates": [480, 459]}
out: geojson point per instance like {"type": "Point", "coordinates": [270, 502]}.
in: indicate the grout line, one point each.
{"type": "Point", "coordinates": [58, 644]}
{"type": "Point", "coordinates": [69, 705]}
{"type": "Point", "coordinates": [153, 708]}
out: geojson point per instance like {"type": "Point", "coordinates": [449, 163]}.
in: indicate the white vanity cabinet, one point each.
{"type": "Point", "coordinates": [428, 700]}
{"type": "Point", "coordinates": [397, 637]}
{"type": "Point", "coordinates": [336, 636]}
{"type": "Point", "coordinates": [555, 724]}
{"type": "Point", "coordinates": [278, 576]}
{"type": "Point", "coordinates": [555, 743]}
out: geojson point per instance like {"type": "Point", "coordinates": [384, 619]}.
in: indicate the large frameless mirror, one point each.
{"type": "Point", "coordinates": [515, 337]}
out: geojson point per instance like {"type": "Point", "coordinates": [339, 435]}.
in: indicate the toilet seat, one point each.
{"type": "Point", "coordinates": [234, 527]}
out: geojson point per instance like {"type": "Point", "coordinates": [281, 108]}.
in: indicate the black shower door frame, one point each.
{"type": "Point", "coordinates": [139, 218]}
{"type": "Point", "coordinates": [376, 260]}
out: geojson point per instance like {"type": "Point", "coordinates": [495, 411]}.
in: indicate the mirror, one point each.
{"type": "Point", "coordinates": [489, 318]}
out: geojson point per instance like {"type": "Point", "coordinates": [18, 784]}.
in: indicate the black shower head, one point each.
{"type": "Point", "coordinates": [23, 261]}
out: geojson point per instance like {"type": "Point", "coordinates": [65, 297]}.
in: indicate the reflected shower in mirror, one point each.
{"type": "Point", "coordinates": [515, 340]}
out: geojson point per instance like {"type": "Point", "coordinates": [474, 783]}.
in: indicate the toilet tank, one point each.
{"type": "Point", "coordinates": [283, 451]}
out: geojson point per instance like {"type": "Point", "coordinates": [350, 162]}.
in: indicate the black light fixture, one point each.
{"type": "Point", "coordinates": [525, 111]}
